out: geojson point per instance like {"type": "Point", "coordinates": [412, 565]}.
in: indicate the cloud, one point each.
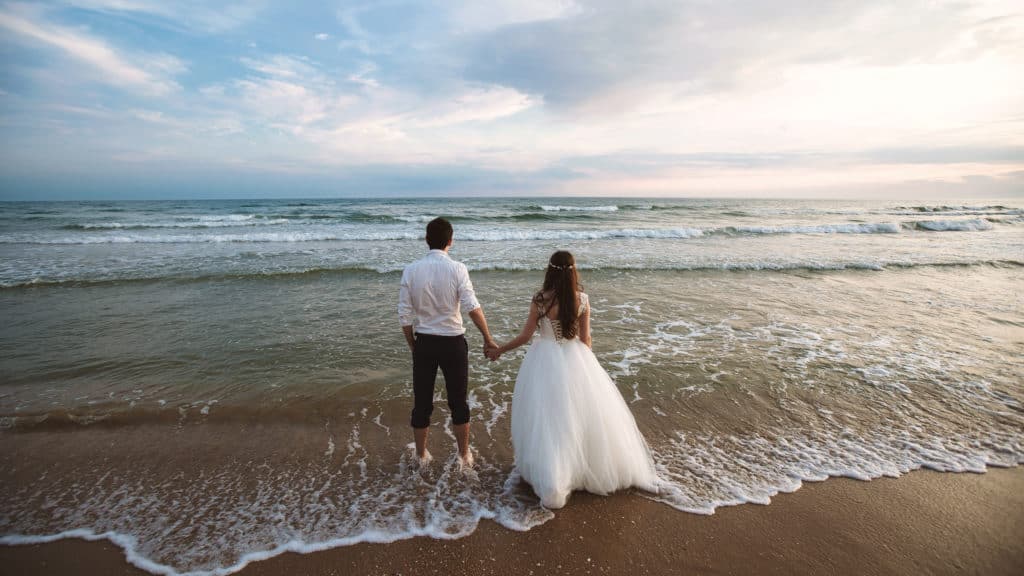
{"type": "Point", "coordinates": [358, 37]}
{"type": "Point", "coordinates": [824, 176]}
{"type": "Point", "coordinates": [475, 105]}
{"type": "Point", "coordinates": [322, 36]}
{"type": "Point", "coordinates": [281, 66]}
{"type": "Point", "coordinates": [283, 92]}
{"type": "Point", "coordinates": [148, 74]}
{"type": "Point", "coordinates": [991, 155]}
{"type": "Point", "coordinates": [359, 119]}
{"type": "Point", "coordinates": [206, 16]}
{"type": "Point", "coordinates": [362, 76]}
{"type": "Point", "coordinates": [472, 16]}
{"type": "Point", "coordinates": [288, 105]}
{"type": "Point", "coordinates": [608, 50]}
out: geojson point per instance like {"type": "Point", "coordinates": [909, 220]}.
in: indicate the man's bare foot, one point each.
{"type": "Point", "coordinates": [424, 458]}
{"type": "Point", "coordinates": [466, 460]}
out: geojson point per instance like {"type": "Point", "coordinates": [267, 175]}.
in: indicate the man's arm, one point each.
{"type": "Point", "coordinates": [467, 298]}
{"type": "Point", "coordinates": [410, 338]}
{"type": "Point", "coordinates": [406, 314]}
{"type": "Point", "coordinates": [477, 316]}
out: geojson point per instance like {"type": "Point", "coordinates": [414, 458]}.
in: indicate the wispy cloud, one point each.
{"type": "Point", "coordinates": [147, 73]}
{"type": "Point", "coordinates": [281, 92]}
{"type": "Point", "coordinates": [469, 16]}
{"type": "Point", "coordinates": [356, 36]}
{"type": "Point", "coordinates": [206, 16]}
{"type": "Point", "coordinates": [281, 66]}
{"type": "Point", "coordinates": [474, 105]}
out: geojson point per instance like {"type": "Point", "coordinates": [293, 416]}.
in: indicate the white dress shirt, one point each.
{"type": "Point", "coordinates": [432, 291]}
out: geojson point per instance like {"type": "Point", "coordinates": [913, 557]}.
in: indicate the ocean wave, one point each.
{"type": "Point", "coordinates": [796, 460]}
{"type": "Point", "coordinates": [955, 208]}
{"type": "Point", "coordinates": [300, 218]}
{"type": "Point", "coordinates": [472, 235]}
{"type": "Point", "coordinates": [767, 266]}
{"type": "Point", "coordinates": [972, 225]}
{"type": "Point", "coordinates": [257, 237]}
{"type": "Point", "coordinates": [481, 233]}
{"type": "Point", "coordinates": [571, 215]}
{"type": "Point", "coordinates": [224, 217]}
{"type": "Point", "coordinates": [877, 228]}
{"type": "Point", "coordinates": [201, 224]}
{"type": "Point", "coordinates": [562, 208]}
{"type": "Point", "coordinates": [1006, 220]}
{"type": "Point", "coordinates": [371, 218]}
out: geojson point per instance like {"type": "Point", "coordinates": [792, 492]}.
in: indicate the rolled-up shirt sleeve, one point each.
{"type": "Point", "coordinates": [467, 297]}
{"type": "Point", "coordinates": [406, 314]}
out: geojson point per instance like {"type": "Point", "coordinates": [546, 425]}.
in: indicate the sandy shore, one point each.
{"type": "Point", "coordinates": [922, 523]}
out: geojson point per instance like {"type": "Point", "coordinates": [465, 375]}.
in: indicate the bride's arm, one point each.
{"type": "Point", "coordinates": [584, 327]}
{"type": "Point", "coordinates": [528, 329]}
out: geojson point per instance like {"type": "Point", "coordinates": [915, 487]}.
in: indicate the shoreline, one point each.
{"type": "Point", "coordinates": [922, 522]}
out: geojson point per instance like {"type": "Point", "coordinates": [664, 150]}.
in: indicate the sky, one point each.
{"type": "Point", "coordinates": [148, 99]}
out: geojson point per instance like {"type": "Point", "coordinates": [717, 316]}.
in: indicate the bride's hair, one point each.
{"type": "Point", "coordinates": [562, 281]}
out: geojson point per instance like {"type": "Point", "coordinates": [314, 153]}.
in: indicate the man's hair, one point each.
{"type": "Point", "coordinates": [439, 233]}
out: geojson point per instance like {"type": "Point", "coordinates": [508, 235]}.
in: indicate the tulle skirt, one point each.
{"type": "Point", "coordinates": [571, 428]}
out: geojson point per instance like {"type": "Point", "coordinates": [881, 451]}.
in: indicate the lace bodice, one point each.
{"type": "Point", "coordinates": [551, 329]}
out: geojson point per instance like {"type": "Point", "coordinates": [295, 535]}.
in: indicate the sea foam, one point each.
{"type": "Point", "coordinates": [477, 233]}
{"type": "Point", "coordinates": [971, 225]}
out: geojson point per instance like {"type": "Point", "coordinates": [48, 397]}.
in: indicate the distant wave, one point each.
{"type": "Point", "coordinates": [498, 234]}
{"type": "Point", "coordinates": [308, 215]}
{"type": "Point", "coordinates": [868, 265]}
{"type": "Point", "coordinates": [1006, 220]}
{"type": "Point", "coordinates": [104, 226]}
{"type": "Point", "coordinates": [300, 219]}
{"type": "Point", "coordinates": [975, 224]}
{"type": "Point", "coordinates": [878, 228]}
{"type": "Point", "coordinates": [606, 208]}
{"type": "Point", "coordinates": [370, 218]}
{"type": "Point", "coordinates": [958, 208]}
{"type": "Point", "coordinates": [483, 235]}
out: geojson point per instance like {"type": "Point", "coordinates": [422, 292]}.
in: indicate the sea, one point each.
{"type": "Point", "coordinates": [210, 383]}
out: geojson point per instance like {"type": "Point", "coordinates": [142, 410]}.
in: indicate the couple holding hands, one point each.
{"type": "Point", "coordinates": [571, 428]}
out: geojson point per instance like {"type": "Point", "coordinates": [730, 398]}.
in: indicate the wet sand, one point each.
{"type": "Point", "coordinates": [922, 523]}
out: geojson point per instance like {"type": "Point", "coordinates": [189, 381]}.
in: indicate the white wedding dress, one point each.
{"type": "Point", "coordinates": [571, 428]}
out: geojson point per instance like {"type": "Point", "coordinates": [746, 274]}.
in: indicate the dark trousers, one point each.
{"type": "Point", "coordinates": [451, 355]}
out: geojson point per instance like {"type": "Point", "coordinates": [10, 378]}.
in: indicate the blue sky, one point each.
{"type": "Point", "coordinates": [153, 99]}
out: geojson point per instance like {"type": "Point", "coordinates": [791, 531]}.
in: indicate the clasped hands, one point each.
{"type": "Point", "coordinates": [491, 350]}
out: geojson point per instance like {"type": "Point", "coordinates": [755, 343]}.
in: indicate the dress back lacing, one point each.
{"type": "Point", "coordinates": [554, 323]}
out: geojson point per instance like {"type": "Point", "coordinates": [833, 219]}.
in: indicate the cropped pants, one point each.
{"type": "Point", "coordinates": [451, 355]}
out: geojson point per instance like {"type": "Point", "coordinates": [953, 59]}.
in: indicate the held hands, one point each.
{"type": "Point", "coordinates": [491, 350]}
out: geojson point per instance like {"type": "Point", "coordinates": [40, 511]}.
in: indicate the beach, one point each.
{"type": "Point", "coordinates": [922, 523]}
{"type": "Point", "coordinates": [792, 236]}
{"type": "Point", "coordinates": [210, 386]}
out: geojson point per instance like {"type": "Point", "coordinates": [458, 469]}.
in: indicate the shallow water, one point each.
{"type": "Point", "coordinates": [207, 402]}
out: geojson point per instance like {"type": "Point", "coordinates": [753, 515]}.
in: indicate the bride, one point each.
{"type": "Point", "coordinates": [571, 429]}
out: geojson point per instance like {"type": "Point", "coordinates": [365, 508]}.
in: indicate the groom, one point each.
{"type": "Point", "coordinates": [432, 291]}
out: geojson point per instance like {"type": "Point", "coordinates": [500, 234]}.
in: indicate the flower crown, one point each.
{"type": "Point", "coordinates": [563, 267]}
